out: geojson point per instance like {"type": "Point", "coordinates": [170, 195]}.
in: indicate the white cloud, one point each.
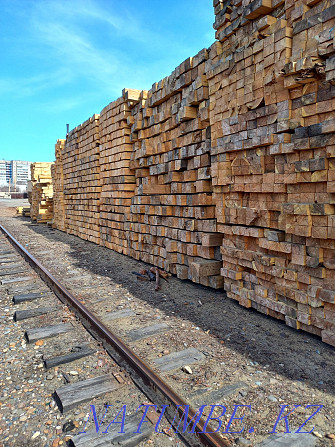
{"type": "Point", "coordinates": [30, 86]}
{"type": "Point", "coordinates": [62, 27]}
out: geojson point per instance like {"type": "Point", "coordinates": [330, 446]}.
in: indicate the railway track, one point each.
{"type": "Point", "coordinates": [129, 332]}
{"type": "Point", "coordinates": [149, 382]}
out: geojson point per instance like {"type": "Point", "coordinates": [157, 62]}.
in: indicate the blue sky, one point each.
{"type": "Point", "coordinates": [64, 60]}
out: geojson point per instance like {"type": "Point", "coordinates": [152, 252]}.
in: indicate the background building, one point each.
{"type": "Point", "coordinates": [14, 174]}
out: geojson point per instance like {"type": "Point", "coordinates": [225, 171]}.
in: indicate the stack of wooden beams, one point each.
{"type": "Point", "coordinates": [222, 172]}
{"type": "Point", "coordinates": [273, 147]}
{"type": "Point", "coordinates": [23, 211]}
{"type": "Point", "coordinates": [116, 178]}
{"type": "Point", "coordinates": [58, 187]}
{"type": "Point", "coordinates": [172, 221]}
{"type": "Point", "coordinates": [41, 200]}
{"type": "Point", "coordinates": [82, 190]}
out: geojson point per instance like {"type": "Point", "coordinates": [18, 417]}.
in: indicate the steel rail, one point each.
{"type": "Point", "coordinates": [139, 366]}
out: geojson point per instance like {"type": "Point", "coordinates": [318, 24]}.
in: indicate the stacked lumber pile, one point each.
{"type": "Point", "coordinates": [172, 222]}
{"type": "Point", "coordinates": [221, 173]}
{"type": "Point", "coordinates": [58, 187]}
{"type": "Point", "coordinates": [41, 200]}
{"type": "Point", "coordinates": [116, 178]}
{"type": "Point", "coordinates": [23, 211]}
{"type": "Point", "coordinates": [82, 190]}
{"type": "Point", "coordinates": [271, 80]}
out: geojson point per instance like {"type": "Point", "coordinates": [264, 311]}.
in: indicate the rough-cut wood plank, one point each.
{"type": "Point", "coordinates": [22, 279]}
{"type": "Point", "coordinates": [128, 439]}
{"type": "Point", "coordinates": [21, 288]}
{"type": "Point", "coordinates": [77, 353]}
{"type": "Point", "coordinates": [125, 313]}
{"type": "Point", "coordinates": [17, 299]}
{"type": "Point", "coordinates": [7, 252]}
{"type": "Point", "coordinates": [215, 397]}
{"type": "Point", "coordinates": [41, 333]}
{"type": "Point", "coordinates": [290, 440]}
{"type": "Point", "coordinates": [31, 313]}
{"type": "Point", "coordinates": [178, 359]}
{"type": "Point", "coordinates": [70, 396]}
{"type": "Point", "coordinates": [6, 267]}
{"type": "Point", "coordinates": [212, 239]}
{"type": "Point", "coordinates": [11, 272]}
{"type": "Point", "coordinates": [139, 334]}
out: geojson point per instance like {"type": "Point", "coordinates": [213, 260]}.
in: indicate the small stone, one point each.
{"type": "Point", "coordinates": [74, 373]}
{"type": "Point", "coordinates": [330, 436]}
{"type": "Point", "coordinates": [187, 369]}
{"type": "Point", "coordinates": [35, 435]}
{"type": "Point", "coordinates": [272, 398]}
{"type": "Point", "coordinates": [317, 434]}
{"type": "Point", "coordinates": [55, 443]}
{"type": "Point", "coordinates": [258, 383]}
{"type": "Point", "coordinates": [39, 343]}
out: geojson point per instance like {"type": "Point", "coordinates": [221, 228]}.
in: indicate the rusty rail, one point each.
{"type": "Point", "coordinates": [139, 366]}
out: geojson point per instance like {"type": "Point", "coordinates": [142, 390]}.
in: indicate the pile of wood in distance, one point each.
{"type": "Point", "coordinates": [58, 187]}
{"type": "Point", "coordinates": [82, 189]}
{"type": "Point", "coordinates": [116, 178]}
{"type": "Point", "coordinates": [41, 198]}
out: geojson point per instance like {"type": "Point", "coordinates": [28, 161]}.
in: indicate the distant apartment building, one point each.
{"type": "Point", "coordinates": [14, 173]}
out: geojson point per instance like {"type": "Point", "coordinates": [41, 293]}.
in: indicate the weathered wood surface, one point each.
{"type": "Point", "coordinates": [12, 272]}
{"type": "Point", "coordinates": [119, 314]}
{"type": "Point", "coordinates": [17, 299]}
{"type": "Point", "coordinates": [222, 173]}
{"type": "Point", "coordinates": [31, 313]}
{"type": "Point", "coordinates": [14, 280]}
{"type": "Point", "coordinates": [41, 333]}
{"type": "Point", "coordinates": [140, 334]}
{"type": "Point", "coordinates": [113, 437]}
{"type": "Point", "coordinates": [73, 395]}
{"type": "Point", "coordinates": [12, 267]}
{"type": "Point", "coordinates": [78, 353]}
{"type": "Point", "coordinates": [177, 359]}
{"type": "Point", "coordinates": [8, 261]}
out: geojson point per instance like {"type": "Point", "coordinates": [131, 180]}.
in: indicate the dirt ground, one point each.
{"type": "Point", "coordinates": [280, 366]}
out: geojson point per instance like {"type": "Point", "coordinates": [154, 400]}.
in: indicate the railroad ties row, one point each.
{"type": "Point", "coordinates": [76, 347]}
{"type": "Point", "coordinates": [135, 325]}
